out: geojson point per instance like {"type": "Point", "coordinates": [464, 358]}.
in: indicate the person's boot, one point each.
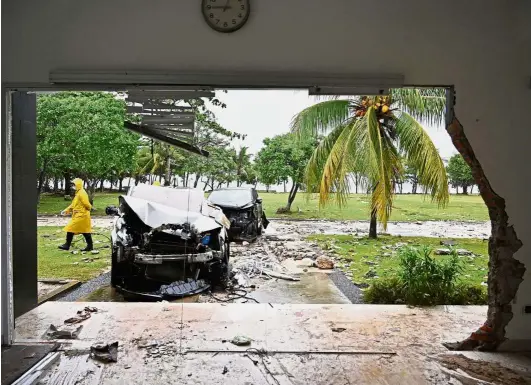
{"type": "Point", "coordinates": [66, 245]}
{"type": "Point", "coordinates": [90, 246]}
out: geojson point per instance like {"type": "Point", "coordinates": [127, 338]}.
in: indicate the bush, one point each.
{"type": "Point", "coordinates": [385, 291]}
{"type": "Point", "coordinates": [426, 280]}
{"type": "Point", "coordinates": [423, 280]}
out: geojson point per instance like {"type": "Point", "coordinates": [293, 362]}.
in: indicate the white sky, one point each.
{"type": "Point", "coordinates": [262, 114]}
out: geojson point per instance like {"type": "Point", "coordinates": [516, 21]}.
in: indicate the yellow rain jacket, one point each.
{"type": "Point", "coordinates": [80, 210]}
{"type": "Point", "coordinates": [156, 183]}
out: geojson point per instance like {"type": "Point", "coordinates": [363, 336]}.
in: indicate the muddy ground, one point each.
{"type": "Point", "coordinates": [283, 251]}
{"type": "Point", "coordinates": [298, 229]}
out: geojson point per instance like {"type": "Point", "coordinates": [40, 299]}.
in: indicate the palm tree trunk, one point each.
{"type": "Point", "coordinates": [372, 227]}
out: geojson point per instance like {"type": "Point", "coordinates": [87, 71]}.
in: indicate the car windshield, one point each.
{"type": "Point", "coordinates": [230, 197]}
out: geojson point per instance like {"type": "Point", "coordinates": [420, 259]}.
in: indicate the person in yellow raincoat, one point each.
{"type": "Point", "coordinates": [156, 183]}
{"type": "Point", "coordinates": [80, 222]}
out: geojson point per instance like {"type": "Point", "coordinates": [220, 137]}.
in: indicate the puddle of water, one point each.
{"type": "Point", "coordinates": [109, 294]}
{"type": "Point", "coordinates": [315, 288]}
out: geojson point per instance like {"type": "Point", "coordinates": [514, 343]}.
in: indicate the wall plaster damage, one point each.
{"type": "Point", "coordinates": [505, 272]}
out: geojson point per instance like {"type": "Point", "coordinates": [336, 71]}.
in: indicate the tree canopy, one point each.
{"type": "Point", "coordinates": [372, 135]}
{"type": "Point", "coordinates": [459, 173]}
{"type": "Point", "coordinates": [283, 158]}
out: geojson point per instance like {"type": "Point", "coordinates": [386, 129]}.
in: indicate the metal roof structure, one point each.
{"type": "Point", "coordinates": [166, 116]}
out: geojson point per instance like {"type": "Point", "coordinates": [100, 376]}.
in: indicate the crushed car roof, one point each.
{"type": "Point", "coordinates": [236, 198]}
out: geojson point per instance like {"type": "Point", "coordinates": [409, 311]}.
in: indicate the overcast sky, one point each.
{"type": "Point", "coordinates": [263, 114]}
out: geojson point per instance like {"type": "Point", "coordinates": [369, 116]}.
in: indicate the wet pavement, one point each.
{"type": "Point", "coordinates": [165, 343]}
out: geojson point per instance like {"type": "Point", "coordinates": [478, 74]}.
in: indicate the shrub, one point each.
{"type": "Point", "coordinates": [385, 291]}
{"type": "Point", "coordinates": [423, 280]}
{"type": "Point", "coordinates": [466, 294]}
{"type": "Point", "coordinates": [426, 280]}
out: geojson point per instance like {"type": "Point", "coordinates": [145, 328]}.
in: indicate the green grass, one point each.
{"type": "Point", "coordinates": [359, 251]}
{"type": "Point", "coordinates": [407, 207]}
{"type": "Point", "coordinates": [51, 204]}
{"type": "Point", "coordinates": [55, 263]}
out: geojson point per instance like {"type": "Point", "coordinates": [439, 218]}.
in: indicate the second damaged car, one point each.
{"type": "Point", "coordinates": [167, 243]}
{"type": "Point", "coordinates": [243, 207]}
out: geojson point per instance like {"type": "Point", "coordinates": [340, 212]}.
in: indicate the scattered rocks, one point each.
{"type": "Point", "coordinates": [443, 252]}
{"type": "Point", "coordinates": [448, 242]}
{"type": "Point", "coordinates": [362, 285]}
{"type": "Point", "coordinates": [324, 262]}
{"type": "Point", "coordinates": [370, 263]}
{"type": "Point", "coordinates": [95, 251]}
{"type": "Point", "coordinates": [245, 243]}
{"type": "Point", "coordinates": [241, 341]}
{"type": "Point", "coordinates": [371, 274]}
{"type": "Point", "coordinates": [307, 262]}
{"type": "Point", "coordinates": [464, 252]}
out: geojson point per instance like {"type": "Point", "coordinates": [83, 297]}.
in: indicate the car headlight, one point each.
{"type": "Point", "coordinates": [205, 240]}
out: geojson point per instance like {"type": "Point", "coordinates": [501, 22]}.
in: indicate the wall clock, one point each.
{"type": "Point", "coordinates": [225, 15]}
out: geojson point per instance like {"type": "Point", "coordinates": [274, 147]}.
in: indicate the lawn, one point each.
{"type": "Point", "coordinates": [407, 207]}
{"type": "Point", "coordinates": [55, 263]}
{"type": "Point", "coordinates": [361, 255]}
{"type": "Point", "coordinates": [53, 204]}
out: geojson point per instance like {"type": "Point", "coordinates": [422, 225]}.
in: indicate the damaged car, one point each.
{"type": "Point", "coordinates": [167, 243]}
{"type": "Point", "coordinates": [243, 208]}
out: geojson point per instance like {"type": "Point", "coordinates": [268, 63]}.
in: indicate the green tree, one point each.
{"type": "Point", "coordinates": [242, 161]}
{"type": "Point", "coordinates": [411, 174]}
{"type": "Point", "coordinates": [367, 134]}
{"type": "Point", "coordinates": [459, 173]}
{"type": "Point", "coordinates": [83, 134]}
{"type": "Point", "coordinates": [284, 157]}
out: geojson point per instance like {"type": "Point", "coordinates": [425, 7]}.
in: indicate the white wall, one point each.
{"type": "Point", "coordinates": [483, 47]}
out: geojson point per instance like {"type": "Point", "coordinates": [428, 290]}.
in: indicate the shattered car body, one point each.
{"type": "Point", "coordinates": [243, 207]}
{"type": "Point", "coordinates": [167, 243]}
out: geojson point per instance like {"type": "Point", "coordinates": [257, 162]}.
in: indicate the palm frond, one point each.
{"type": "Point", "coordinates": [321, 117]}
{"type": "Point", "coordinates": [314, 168]}
{"type": "Point", "coordinates": [420, 151]}
{"type": "Point", "coordinates": [427, 105]}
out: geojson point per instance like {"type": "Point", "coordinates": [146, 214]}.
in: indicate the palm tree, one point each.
{"type": "Point", "coordinates": [242, 159]}
{"type": "Point", "coordinates": [370, 135]}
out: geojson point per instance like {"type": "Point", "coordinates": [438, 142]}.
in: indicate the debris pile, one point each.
{"type": "Point", "coordinates": [104, 352]}
{"type": "Point", "coordinates": [156, 350]}
{"type": "Point", "coordinates": [68, 330]}
{"type": "Point", "coordinates": [257, 262]}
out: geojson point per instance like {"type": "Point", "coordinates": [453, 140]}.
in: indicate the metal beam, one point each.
{"type": "Point", "coordinates": [154, 134]}
{"type": "Point", "coordinates": [166, 119]}
{"type": "Point", "coordinates": [235, 80]}
{"type": "Point", "coordinates": [189, 134]}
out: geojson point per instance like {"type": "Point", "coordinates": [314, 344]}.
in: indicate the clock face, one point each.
{"type": "Point", "coordinates": [225, 15]}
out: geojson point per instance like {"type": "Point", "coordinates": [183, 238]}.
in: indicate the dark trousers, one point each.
{"type": "Point", "coordinates": [70, 237]}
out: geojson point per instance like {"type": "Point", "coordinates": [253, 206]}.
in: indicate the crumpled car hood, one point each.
{"type": "Point", "coordinates": [156, 214]}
